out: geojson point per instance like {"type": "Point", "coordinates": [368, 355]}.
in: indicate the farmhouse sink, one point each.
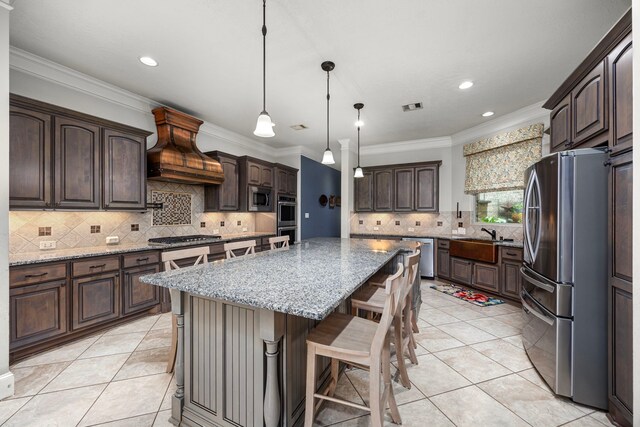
{"type": "Point", "coordinates": [474, 249]}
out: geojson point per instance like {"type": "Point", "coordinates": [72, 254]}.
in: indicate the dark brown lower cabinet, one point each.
{"type": "Point", "coordinates": [137, 295]}
{"type": "Point", "coordinates": [95, 299]}
{"type": "Point", "coordinates": [511, 280]}
{"type": "Point", "coordinates": [486, 276]}
{"type": "Point", "coordinates": [443, 271]}
{"type": "Point", "coordinates": [620, 289]}
{"type": "Point", "coordinates": [461, 270]}
{"type": "Point", "coordinates": [37, 312]}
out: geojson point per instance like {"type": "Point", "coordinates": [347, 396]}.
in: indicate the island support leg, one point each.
{"type": "Point", "coordinates": [177, 401]}
{"type": "Point", "coordinates": [271, 332]}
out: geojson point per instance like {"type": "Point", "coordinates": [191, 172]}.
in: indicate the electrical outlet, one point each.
{"type": "Point", "coordinates": [411, 229]}
{"type": "Point", "coordinates": [112, 240]}
{"type": "Point", "coordinates": [454, 231]}
{"type": "Point", "coordinates": [216, 231]}
{"type": "Point", "coordinates": [376, 228]}
{"type": "Point", "coordinates": [306, 214]}
{"type": "Point", "coordinates": [462, 230]}
{"type": "Point", "coordinates": [48, 244]}
{"type": "Point", "coordinates": [244, 228]}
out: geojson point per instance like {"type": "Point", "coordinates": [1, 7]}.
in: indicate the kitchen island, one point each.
{"type": "Point", "coordinates": [242, 326]}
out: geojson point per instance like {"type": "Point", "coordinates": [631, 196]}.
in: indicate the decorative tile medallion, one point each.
{"type": "Point", "coordinates": [176, 208]}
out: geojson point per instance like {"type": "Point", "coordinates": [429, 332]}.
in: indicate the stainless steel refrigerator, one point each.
{"type": "Point", "coordinates": [564, 274]}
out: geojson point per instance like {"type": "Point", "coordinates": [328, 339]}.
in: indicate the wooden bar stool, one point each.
{"type": "Point", "coordinates": [372, 299]}
{"type": "Point", "coordinates": [169, 259]}
{"type": "Point", "coordinates": [248, 245]}
{"type": "Point", "coordinates": [359, 342]}
{"type": "Point", "coordinates": [283, 241]}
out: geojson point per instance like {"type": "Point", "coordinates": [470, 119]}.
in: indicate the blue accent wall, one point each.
{"type": "Point", "coordinates": [317, 179]}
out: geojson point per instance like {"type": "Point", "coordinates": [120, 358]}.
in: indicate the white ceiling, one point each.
{"type": "Point", "coordinates": [387, 53]}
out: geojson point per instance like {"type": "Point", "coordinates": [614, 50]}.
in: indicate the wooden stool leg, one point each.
{"type": "Point", "coordinates": [335, 371]}
{"type": "Point", "coordinates": [173, 351]}
{"type": "Point", "coordinates": [311, 386]}
{"type": "Point", "coordinates": [386, 376]}
{"type": "Point", "coordinates": [414, 322]}
{"type": "Point", "coordinates": [375, 397]}
{"type": "Point", "coordinates": [408, 332]}
{"type": "Point", "coordinates": [397, 330]}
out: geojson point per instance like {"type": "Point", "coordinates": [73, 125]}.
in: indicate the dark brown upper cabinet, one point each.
{"type": "Point", "coordinates": [588, 109]}
{"type": "Point", "coordinates": [404, 189]}
{"type": "Point", "coordinates": [621, 96]}
{"type": "Point", "coordinates": [286, 180]}
{"type": "Point", "coordinates": [561, 125]}
{"type": "Point", "coordinates": [63, 159]}
{"type": "Point", "coordinates": [383, 190]}
{"type": "Point", "coordinates": [427, 188]}
{"type": "Point", "coordinates": [225, 196]}
{"type": "Point", "coordinates": [77, 164]}
{"type": "Point", "coordinates": [259, 174]}
{"type": "Point", "coordinates": [401, 188]}
{"type": "Point", "coordinates": [29, 158]}
{"type": "Point", "coordinates": [122, 154]}
{"type": "Point", "coordinates": [363, 192]}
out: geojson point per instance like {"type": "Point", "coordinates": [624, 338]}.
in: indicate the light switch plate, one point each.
{"type": "Point", "coordinates": [112, 240]}
{"type": "Point", "coordinates": [376, 228]}
{"type": "Point", "coordinates": [48, 244]}
{"type": "Point", "coordinates": [411, 229]}
{"type": "Point", "coordinates": [462, 230]}
{"type": "Point", "coordinates": [216, 231]}
{"type": "Point", "coordinates": [306, 214]}
{"type": "Point", "coordinates": [244, 228]}
{"type": "Point", "coordinates": [454, 231]}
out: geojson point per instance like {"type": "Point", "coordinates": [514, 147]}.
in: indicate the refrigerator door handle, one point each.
{"type": "Point", "coordinates": [532, 186]}
{"type": "Point", "coordinates": [530, 310]}
{"type": "Point", "coordinates": [536, 282]}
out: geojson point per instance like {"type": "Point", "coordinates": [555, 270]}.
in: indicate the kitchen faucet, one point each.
{"type": "Point", "coordinates": [491, 232]}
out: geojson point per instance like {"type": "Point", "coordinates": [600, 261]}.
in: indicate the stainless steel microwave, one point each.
{"type": "Point", "coordinates": [260, 199]}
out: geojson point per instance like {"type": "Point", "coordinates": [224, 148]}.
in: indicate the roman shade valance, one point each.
{"type": "Point", "coordinates": [498, 163]}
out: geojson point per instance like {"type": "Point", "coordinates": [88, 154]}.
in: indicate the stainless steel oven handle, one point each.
{"type": "Point", "coordinates": [530, 310]}
{"type": "Point", "coordinates": [536, 282]}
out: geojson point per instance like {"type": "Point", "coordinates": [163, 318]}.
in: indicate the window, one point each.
{"type": "Point", "coordinates": [500, 207]}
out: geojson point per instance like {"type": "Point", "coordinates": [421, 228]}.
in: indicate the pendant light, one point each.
{"type": "Point", "coordinates": [327, 158]}
{"type": "Point", "coordinates": [358, 173]}
{"type": "Point", "coordinates": [264, 126]}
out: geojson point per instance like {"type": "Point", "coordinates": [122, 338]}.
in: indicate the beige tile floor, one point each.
{"type": "Point", "coordinates": [472, 371]}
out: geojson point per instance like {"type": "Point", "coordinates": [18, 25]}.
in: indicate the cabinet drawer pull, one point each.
{"type": "Point", "coordinates": [98, 266]}
{"type": "Point", "coordinates": [31, 276]}
{"type": "Point", "coordinates": [512, 254]}
{"type": "Point", "coordinates": [142, 259]}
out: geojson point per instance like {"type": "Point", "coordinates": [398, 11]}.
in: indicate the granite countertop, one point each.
{"type": "Point", "coordinates": [75, 253]}
{"type": "Point", "coordinates": [310, 279]}
{"type": "Point", "coordinates": [513, 244]}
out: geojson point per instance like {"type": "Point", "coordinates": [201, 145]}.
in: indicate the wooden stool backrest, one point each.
{"type": "Point", "coordinates": [274, 241]}
{"type": "Point", "coordinates": [169, 258]}
{"type": "Point", "coordinates": [411, 264]}
{"type": "Point", "coordinates": [248, 245]}
{"type": "Point", "coordinates": [392, 288]}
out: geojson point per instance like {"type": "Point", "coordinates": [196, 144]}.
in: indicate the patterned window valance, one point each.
{"type": "Point", "coordinates": [498, 163]}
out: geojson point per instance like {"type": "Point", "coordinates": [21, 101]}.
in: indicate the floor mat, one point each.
{"type": "Point", "coordinates": [467, 295]}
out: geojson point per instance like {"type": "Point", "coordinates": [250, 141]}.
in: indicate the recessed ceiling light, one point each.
{"type": "Point", "coordinates": [487, 114]}
{"type": "Point", "coordinates": [147, 60]}
{"type": "Point", "coordinates": [465, 85]}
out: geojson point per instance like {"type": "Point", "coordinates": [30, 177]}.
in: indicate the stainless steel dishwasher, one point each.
{"type": "Point", "coordinates": [426, 256]}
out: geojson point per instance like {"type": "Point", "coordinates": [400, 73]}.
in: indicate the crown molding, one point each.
{"type": "Point", "coordinates": [45, 69]}
{"type": "Point", "coordinates": [529, 114]}
{"type": "Point", "coordinates": [402, 146]}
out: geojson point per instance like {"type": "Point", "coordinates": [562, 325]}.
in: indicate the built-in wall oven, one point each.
{"type": "Point", "coordinates": [286, 211]}
{"type": "Point", "coordinates": [564, 274]}
{"type": "Point", "coordinates": [288, 231]}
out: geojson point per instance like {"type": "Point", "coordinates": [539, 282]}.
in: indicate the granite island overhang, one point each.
{"type": "Point", "coordinates": [242, 325]}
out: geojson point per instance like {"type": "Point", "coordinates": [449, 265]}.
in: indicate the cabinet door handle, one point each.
{"type": "Point", "coordinates": [30, 276]}
{"type": "Point", "coordinates": [142, 259]}
{"type": "Point", "coordinates": [512, 254]}
{"type": "Point", "coordinates": [98, 266]}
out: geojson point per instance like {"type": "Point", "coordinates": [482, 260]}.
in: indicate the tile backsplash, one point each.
{"type": "Point", "coordinates": [85, 229]}
{"type": "Point", "coordinates": [441, 223]}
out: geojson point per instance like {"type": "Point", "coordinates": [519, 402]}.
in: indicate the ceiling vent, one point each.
{"type": "Point", "coordinates": [299, 127]}
{"type": "Point", "coordinates": [412, 107]}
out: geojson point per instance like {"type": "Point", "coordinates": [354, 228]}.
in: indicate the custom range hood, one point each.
{"type": "Point", "coordinates": [175, 157]}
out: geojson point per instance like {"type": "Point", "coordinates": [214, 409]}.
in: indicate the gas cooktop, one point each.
{"type": "Point", "coordinates": [182, 239]}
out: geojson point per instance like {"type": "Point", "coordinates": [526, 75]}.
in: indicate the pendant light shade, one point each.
{"type": "Point", "coordinates": [327, 158]}
{"type": "Point", "coordinates": [264, 126]}
{"type": "Point", "coordinates": [358, 173]}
